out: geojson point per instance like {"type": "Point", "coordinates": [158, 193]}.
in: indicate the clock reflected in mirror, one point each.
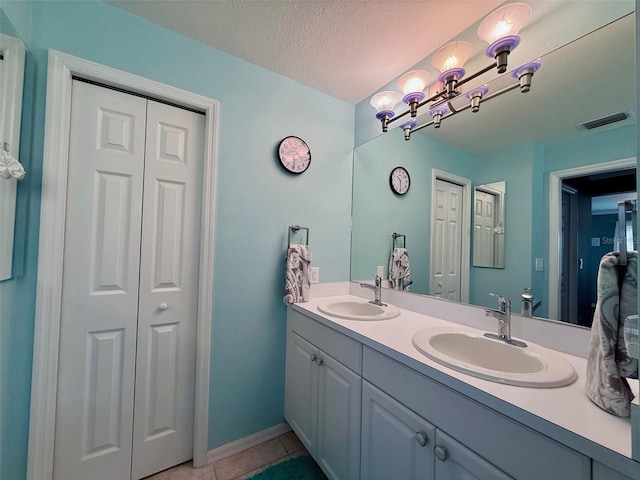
{"type": "Point", "coordinates": [399, 180]}
{"type": "Point", "coordinates": [294, 155]}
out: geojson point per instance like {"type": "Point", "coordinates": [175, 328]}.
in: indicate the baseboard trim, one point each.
{"type": "Point", "coordinates": [247, 442]}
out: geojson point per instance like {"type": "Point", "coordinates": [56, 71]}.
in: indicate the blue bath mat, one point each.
{"type": "Point", "coordinates": [299, 468]}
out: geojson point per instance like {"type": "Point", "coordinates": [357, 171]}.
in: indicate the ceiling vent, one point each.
{"type": "Point", "coordinates": [601, 122]}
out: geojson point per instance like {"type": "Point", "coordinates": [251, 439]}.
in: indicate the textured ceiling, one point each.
{"type": "Point", "coordinates": [347, 49]}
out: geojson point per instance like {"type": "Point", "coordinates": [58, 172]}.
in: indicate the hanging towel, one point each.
{"type": "Point", "coordinates": [609, 363]}
{"type": "Point", "coordinates": [297, 282]}
{"type": "Point", "coordinates": [628, 364]}
{"type": "Point", "coordinates": [399, 269]}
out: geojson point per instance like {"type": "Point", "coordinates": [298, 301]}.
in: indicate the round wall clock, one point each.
{"type": "Point", "coordinates": [399, 180]}
{"type": "Point", "coordinates": [294, 154]}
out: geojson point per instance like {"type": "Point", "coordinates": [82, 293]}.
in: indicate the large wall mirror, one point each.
{"type": "Point", "coordinates": [12, 62]}
{"type": "Point", "coordinates": [517, 143]}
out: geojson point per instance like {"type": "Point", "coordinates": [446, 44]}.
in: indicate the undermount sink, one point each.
{"type": "Point", "coordinates": [474, 354]}
{"type": "Point", "coordinates": [358, 310]}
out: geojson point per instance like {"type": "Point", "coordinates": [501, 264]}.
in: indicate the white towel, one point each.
{"type": "Point", "coordinates": [399, 269]}
{"type": "Point", "coordinates": [297, 281]}
{"type": "Point", "coordinates": [9, 166]}
{"type": "Point", "coordinates": [609, 362]}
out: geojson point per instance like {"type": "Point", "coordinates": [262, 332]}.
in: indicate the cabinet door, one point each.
{"type": "Point", "coordinates": [396, 443]}
{"type": "Point", "coordinates": [457, 462]}
{"type": "Point", "coordinates": [301, 390]}
{"type": "Point", "coordinates": [339, 406]}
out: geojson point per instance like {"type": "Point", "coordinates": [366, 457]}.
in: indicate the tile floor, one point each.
{"type": "Point", "coordinates": [241, 465]}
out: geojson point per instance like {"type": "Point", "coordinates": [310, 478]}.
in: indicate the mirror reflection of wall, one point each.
{"type": "Point", "coordinates": [488, 225]}
{"type": "Point", "coordinates": [549, 141]}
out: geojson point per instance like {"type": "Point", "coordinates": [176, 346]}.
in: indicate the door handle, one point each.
{"type": "Point", "coordinates": [441, 453]}
{"type": "Point", "coordinates": [163, 306]}
{"type": "Point", "coordinates": [421, 438]}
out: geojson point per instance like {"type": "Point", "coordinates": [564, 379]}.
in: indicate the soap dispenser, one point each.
{"type": "Point", "coordinates": [527, 303]}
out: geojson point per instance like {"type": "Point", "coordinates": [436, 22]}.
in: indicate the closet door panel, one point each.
{"type": "Point", "coordinates": [163, 431]}
{"type": "Point", "coordinates": [94, 411]}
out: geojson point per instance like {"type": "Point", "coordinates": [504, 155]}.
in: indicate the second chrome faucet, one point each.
{"type": "Point", "coordinates": [377, 290]}
{"type": "Point", "coordinates": [503, 315]}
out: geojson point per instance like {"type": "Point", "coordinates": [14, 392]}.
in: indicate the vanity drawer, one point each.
{"type": "Point", "coordinates": [344, 349]}
{"type": "Point", "coordinates": [512, 447]}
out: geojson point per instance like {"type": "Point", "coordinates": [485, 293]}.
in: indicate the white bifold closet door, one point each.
{"type": "Point", "coordinates": [126, 374]}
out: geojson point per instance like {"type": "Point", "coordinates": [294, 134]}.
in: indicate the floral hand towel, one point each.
{"type": "Point", "coordinates": [297, 281]}
{"type": "Point", "coordinates": [399, 269]}
{"type": "Point", "coordinates": [608, 362]}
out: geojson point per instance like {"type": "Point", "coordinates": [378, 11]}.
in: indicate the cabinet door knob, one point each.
{"type": "Point", "coordinates": [441, 453]}
{"type": "Point", "coordinates": [422, 439]}
{"type": "Point", "coordinates": [320, 361]}
{"type": "Point", "coordinates": [163, 306]}
{"type": "Point", "coordinates": [313, 357]}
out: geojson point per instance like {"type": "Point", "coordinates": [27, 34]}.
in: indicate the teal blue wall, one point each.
{"type": "Point", "coordinates": [256, 201]}
{"type": "Point", "coordinates": [378, 212]}
{"type": "Point", "coordinates": [514, 165]}
{"type": "Point", "coordinates": [17, 295]}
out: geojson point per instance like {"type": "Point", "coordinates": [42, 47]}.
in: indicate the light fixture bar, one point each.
{"type": "Point", "coordinates": [468, 106]}
{"type": "Point", "coordinates": [500, 30]}
{"type": "Point", "coordinates": [477, 74]}
{"type": "Point", "coordinates": [442, 94]}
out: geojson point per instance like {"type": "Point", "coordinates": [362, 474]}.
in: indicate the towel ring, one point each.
{"type": "Point", "coordinates": [293, 229]}
{"type": "Point", "coordinates": [395, 236]}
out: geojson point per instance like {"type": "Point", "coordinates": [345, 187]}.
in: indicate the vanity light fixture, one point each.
{"type": "Point", "coordinates": [475, 96]}
{"type": "Point", "coordinates": [524, 74]}
{"type": "Point", "coordinates": [437, 113]}
{"type": "Point", "coordinates": [449, 60]}
{"type": "Point", "coordinates": [408, 127]}
{"type": "Point", "coordinates": [500, 29]}
{"type": "Point", "coordinates": [384, 103]}
{"type": "Point", "coordinates": [412, 85]}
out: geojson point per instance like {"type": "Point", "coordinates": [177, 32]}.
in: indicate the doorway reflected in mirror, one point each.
{"type": "Point", "coordinates": [589, 226]}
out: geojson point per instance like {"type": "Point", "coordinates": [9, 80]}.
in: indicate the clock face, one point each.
{"type": "Point", "coordinates": [399, 180]}
{"type": "Point", "coordinates": [294, 154]}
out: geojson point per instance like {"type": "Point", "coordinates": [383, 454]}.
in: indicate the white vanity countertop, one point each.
{"type": "Point", "coordinates": [565, 414]}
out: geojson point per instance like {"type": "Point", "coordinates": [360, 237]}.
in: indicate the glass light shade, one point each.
{"type": "Point", "coordinates": [413, 82]}
{"type": "Point", "coordinates": [385, 101]}
{"type": "Point", "coordinates": [452, 55]}
{"type": "Point", "coordinates": [504, 21]}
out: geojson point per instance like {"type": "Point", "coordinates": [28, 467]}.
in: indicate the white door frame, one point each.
{"type": "Point", "coordinates": [465, 259]}
{"type": "Point", "coordinates": [61, 70]}
{"type": "Point", "coordinates": [555, 220]}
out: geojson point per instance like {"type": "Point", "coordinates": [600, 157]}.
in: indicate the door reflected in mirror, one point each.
{"type": "Point", "coordinates": [488, 225]}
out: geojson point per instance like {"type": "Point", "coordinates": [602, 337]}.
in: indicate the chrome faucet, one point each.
{"type": "Point", "coordinates": [503, 315]}
{"type": "Point", "coordinates": [377, 288]}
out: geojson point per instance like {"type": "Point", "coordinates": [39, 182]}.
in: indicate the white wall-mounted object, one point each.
{"type": "Point", "coordinates": [11, 83]}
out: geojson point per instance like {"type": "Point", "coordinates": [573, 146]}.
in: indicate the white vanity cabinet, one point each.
{"type": "Point", "coordinates": [398, 444]}
{"type": "Point", "coordinates": [487, 444]}
{"type": "Point", "coordinates": [366, 411]}
{"type": "Point", "coordinates": [602, 472]}
{"type": "Point", "coordinates": [323, 394]}
{"type": "Point", "coordinates": [455, 461]}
